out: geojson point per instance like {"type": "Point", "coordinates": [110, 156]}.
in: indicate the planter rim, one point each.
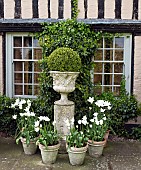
{"type": "Point", "coordinates": [91, 142]}
{"type": "Point", "coordinates": [49, 148]}
{"type": "Point", "coordinates": [31, 140]}
{"type": "Point", "coordinates": [64, 72]}
{"type": "Point", "coordinates": [77, 150]}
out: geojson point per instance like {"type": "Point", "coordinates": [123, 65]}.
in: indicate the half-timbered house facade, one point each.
{"type": "Point", "coordinates": [20, 52]}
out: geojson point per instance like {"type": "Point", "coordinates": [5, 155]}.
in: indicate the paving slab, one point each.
{"type": "Point", "coordinates": [116, 156]}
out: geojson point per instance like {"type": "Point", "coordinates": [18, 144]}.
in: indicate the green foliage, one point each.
{"type": "Point", "coordinates": [75, 10]}
{"type": "Point", "coordinates": [64, 59]}
{"type": "Point", "coordinates": [124, 108]}
{"type": "Point", "coordinates": [48, 135]}
{"type": "Point", "coordinates": [76, 138]}
{"type": "Point", "coordinates": [7, 124]}
{"type": "Point", "coordinates": [79, 37]}
{"type": "Point", "coordinates": [136, 133]}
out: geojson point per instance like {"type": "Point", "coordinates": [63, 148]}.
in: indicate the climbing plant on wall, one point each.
{"type": "Point", "coordinates": [79, 37]}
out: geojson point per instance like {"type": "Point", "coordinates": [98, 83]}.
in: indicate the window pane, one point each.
{"type": "Point", "coordinates": [36, 77]}
{"type": "Point", "coordinates": [36, 90]}
{"type": "Point", "coordinates": [99, 55]}
{"type": "Point", "coordinates": [117, 79]}
{"type": "Point", "coordinates": [37, 54]}
{"type": "Point", "coordinates": [18, 66]}
{"type": "Point", "coordinates": [18, 89]}
{"type": "Point", "coordinates": [18, 78]}
{"type": "Point", "coordinates": [17, 41]}
{"type": "Point", "coordinates": [108, 42]}
{"type": "Point", "coordinates": [28, 78]}
{"type": "Point", "coordinates": [108, 79]}
{"type": "Point", "coordinates": [118, 68]}
{"type": "Point", "coordinates": [108, 67]}
{"type": "Point", "coordinates": [27, 41]}
{"type": "Point", "coordinates": [108, 55]}
{"type": "Point", "coordinates": [116, 91]}
{"type": "Point", "coordinates": [107, 89]}
{"type": "Point", "coordinates": [27, 90]}
{"type": "Point", "coordinates": [98, 68]}
{"type": "Point", "coordinates": [27, 53]}
{"type": "Point", "coordinates": [119, 42]}
{"type": "Point", "coordinates": [17, 53]}
{"type": "Point", "coordinates": [36, 67]}
{"type": "Point", "coordinates": [28, 66]}
{"type": "Point", "coordinates": [118, 55]}
{"type": "Point", "coordinates": [35, 43]}
{"type": "Point", "coordinates": [97, 79]}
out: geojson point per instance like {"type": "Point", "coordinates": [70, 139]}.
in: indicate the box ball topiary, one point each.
{"type": "Point", "coordinates": [64, 59]}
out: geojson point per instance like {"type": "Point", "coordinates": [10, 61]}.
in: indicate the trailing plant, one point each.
{"type": "Point", "coordinates": [75, 10]}
{"type": "Point", "coordinates": [64, 59]}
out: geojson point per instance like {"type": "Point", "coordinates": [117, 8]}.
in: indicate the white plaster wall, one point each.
{"type": "Point", "coordinates": [54, 8]}
{"type": "Point", "coordinates": [137, 68]}
{"type": "Point", "coordinates": [9, 6]}
{"type": "Point", "coordinates": [1, 67]}
{"type": "Point", "coordinates": [67, 9]}
{"type": "Point", "coordinates": [43, 9]}
{"type": "Point", "coordinates": [81, 13]}
{"type": "Point", "coordinates": [109, 9]}
{"type": "Point", "coordinates": [126, 9]}
{"type": "Point", "coordinates": [139, 14]}
{"type": "Point", "coordinates": [92, 8]}
{"type": "Point", "coordinates": [26, 9]}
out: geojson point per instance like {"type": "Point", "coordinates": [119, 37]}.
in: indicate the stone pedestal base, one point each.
{"type": "Point", "coordinates": [62, 112]}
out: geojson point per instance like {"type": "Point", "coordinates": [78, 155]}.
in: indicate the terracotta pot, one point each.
{"type": "Point", "coordinates": [49, 154]}
{"type": "Point", "coordinates": [31, 148]}
{"type": "Point", "coordinates": [77, 155]}
{"type": "Point", "coordinates": [95, 148]}
{"type": "Point", "coordinates": [106, 137]}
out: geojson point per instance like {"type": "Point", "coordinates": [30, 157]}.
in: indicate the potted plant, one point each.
{"type": "Point", "coordinates": [76, 143]}
{"type": "Point", "coordinates": [98, 126]}
{"type": "Point", "coordinates": [25, 119]}
{"type": "Point", "coordinates": [48, 140]}
{"type": "Point", "coordinates": [64, 65]}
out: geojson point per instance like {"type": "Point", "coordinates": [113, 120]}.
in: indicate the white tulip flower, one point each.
{"type": "Point", "coordinates": [91, 99]}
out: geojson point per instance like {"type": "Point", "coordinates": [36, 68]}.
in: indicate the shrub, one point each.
{"type": "Point", "coordinates": [64, 59]}
{"type": "Point", "coordinates": [7, 124]}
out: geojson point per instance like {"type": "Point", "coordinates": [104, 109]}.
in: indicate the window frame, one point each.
{"type": "Point", "coordinates": [10, 62]}
{"type": "Point", "coordinates": [126, 62]}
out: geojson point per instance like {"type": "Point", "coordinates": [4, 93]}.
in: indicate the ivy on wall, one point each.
{"type": "Point", "coordinates": [79, 37]}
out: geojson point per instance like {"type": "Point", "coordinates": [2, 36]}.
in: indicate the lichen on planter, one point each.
{"type": "Point", "coordinates": [95, 148]}
{"type": "Point", "coordinates": [49, 154]}
{"type": "Point", "coordinates": [77, 155]}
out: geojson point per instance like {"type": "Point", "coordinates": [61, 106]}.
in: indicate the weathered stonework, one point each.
{"type": "Point", "coordinates": [137, 68]}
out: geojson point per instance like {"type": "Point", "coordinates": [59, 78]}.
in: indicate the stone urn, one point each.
{"type": "Point", "coordinates": [64, 83]}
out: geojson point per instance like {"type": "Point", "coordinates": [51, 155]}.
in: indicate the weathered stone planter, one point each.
{"type": "Point", "coordinates": [77, 155]}
{"type": "Point", "coordinates": [49, 154]}
{"type": "Point", "coordinates": [31, 148]}
{"type": "Point", "coordinates": [63, 83]}
{"type": "Point", "coordinates": [95, 149]}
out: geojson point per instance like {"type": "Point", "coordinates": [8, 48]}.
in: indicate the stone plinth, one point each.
{"type": "Point", "coordinates": [63, 112]}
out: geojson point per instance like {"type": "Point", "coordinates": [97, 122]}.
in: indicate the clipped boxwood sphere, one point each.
{"type": "Point", "coordinates": [64, 59]}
